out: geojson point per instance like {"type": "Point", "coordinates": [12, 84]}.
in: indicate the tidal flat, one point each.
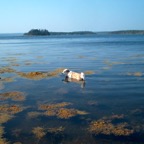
{"type": "Point", "coordinates": [38, 106]}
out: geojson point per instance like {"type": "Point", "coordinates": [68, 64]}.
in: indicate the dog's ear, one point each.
{"type": "Point", "coordinates": [66, 71]}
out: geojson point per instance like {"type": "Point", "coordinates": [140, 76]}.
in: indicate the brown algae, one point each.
{"type": "Point", "coordinates": [2, 140]}
{"type": "Point", "coordinates": [39, 132]}
{"type": "Point", "coordinates": [1, 132]}
{"type": "Point", "coordinates": [40, 75]}
{"type": "Point", "coordinates": [56, 130]}
{"type": "Point", "coordinates": [8, 79]}
{"type": "Point", "coordinates": [10, 109]}
{"type": "Point", "coordinates": [65, 113]}
{"type": "Point", "coordinates": [137, 74]}
{"type": "Point", "coordinates": [6, 70]}
{"type": "Point", "coordinates": [106, 126]}
{"type": "Point", "coordinates": [15, 96]}
{"type": "Point", "coordinates": [89, 72]}
{"type": "Point", "coordinates": [33, 75]}
{"type": "Point", "coordinates": [55, 72]}
{"type": "Point", "coordinates": [60, 111]}
{"type": "Point", "coordinates": [4, 117]}
{"type": "Point", "coordinates": [54, 106]}
{"type": "Point", "coordinates": [109, 63]}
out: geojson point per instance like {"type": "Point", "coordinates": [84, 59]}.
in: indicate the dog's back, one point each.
{"type": "Point", "coordinates": [75, 75]}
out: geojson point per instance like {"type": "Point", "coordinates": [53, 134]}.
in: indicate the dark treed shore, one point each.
{"type": "Point", "coordinates": [44, 32]}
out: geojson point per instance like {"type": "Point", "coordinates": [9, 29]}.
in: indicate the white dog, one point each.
{"type": "Point", "coordinates": [74, 75]}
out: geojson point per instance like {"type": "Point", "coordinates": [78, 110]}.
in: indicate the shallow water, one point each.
{"type": "Point", "coordinates": [114, 90]}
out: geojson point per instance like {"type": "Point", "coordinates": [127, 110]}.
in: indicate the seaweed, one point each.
{"type": "Point", "coordinates": [53, 106]}
{"type": "Point", "coordinates": [56, 130]}
{"type": "Point", "coordinates": [136, 74]}
{"type": "Point", "coordinates": [1, 131]}
{"type": "Point", "coordinates": [55, 72]}
{"type": "Point", "coordinates": [10, 109]}
{"type": "Point", "coordinates": [2, 140]}
{"type": "Point", "coordinates": [65, 113]}
{"type": "Point", "coordinates": [4, 117]}
{"type": "Point", "coordinates": [60, 111]}
{"type": "Point", "coordinates": [6, 70]}
{"type": "Point", "coordinates": [15, 96]}
{"type": "Point", "coordinates": [40, 75]}
{"type": "Point", "coordinates": [39, 132]}
{"type": "Point", "coordinates": [89, 72]}
{"type": "Point", "coordinates": [106, 126]}
{"type": "Point", "coordinates": [8, 79]}
{"type": "Point", "coordinates": [109, 63]}
{"type": "Point", "coordinates": [32, 75]}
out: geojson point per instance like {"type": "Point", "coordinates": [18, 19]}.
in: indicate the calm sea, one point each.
{"type": "Point", "coordinates": [109, 109]}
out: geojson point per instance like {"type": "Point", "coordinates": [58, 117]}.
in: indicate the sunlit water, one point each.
{"type": "Point", "coordinates": [116, 86]}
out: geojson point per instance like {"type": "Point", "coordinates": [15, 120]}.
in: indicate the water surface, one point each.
{"type": "Point", "coordinates": [113, 93]}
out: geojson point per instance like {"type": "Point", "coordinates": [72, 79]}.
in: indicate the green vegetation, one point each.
{"type": "Point", "coordinates": [73, 33]}
{"type": "Point", "coordinates": [38, 32]}
{"type": "Point", "coordinates": [44, 32]}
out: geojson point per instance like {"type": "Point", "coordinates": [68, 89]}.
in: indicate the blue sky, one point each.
{"type": "Point", "coordinates": [71, 15]}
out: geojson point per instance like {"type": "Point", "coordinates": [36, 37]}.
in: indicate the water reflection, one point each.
{"type": "Point", "coordinates": [67, 80]}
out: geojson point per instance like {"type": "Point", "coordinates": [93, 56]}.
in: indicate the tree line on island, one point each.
{"type": "Point", "coordinates": [38, 32]}
{"type": "Point", "coordinates": [44, 32]}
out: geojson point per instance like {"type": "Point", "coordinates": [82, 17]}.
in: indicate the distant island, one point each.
{"type": "Point", "coordinates": [44, 32]}
{"type": "Point", "coordinates": [41, 32]}
{"type": "Point", "coordinates": [38, 32]}
{"type": "Point", "coordinates": [141, 32]}
{"type": "Point", "coordinates": [73, 33]}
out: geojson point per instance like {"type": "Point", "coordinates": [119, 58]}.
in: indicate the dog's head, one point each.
{"type": "Point", "coordinates": [66, 71]}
